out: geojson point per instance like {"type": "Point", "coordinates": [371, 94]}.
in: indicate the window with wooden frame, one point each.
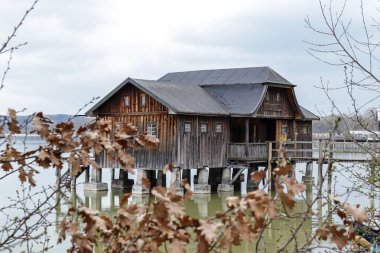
{"type": "Point", "coordinates": [305, 129]}
{"type": "Point", "coordinates": [204, 127]}
{"type": "Point", "coordinates": [268, 96]}
{"type": "Point", "coordinates": [284, 130]}
{"type": "Point", "coordinates": [126, 101]}
{"type": "Point", "coordinates": [278, 96]}
{"type": "Point", "coordinates": [218, 128]}
{"type": "Point", "coordinates": [142, 100]}
{"type": "Point", "coordinates": [187, 127]}
{"type": "Point", "coordinates": [151, 129]}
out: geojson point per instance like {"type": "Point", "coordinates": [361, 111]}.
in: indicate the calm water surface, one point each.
{"type": "Point", "coordinates": [201, 206]}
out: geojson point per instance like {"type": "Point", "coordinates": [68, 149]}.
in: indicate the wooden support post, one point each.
{"type": "Point", "coordinates": [87, 175]}
{"type": "Point", "coordinates": [329, 182]}
{"type": "Point", "coordinates": [246, 136]}
{"type": "Point", "coordinates": [58, 178]}
{"type": "Point", "coordinates": [270, 165]}
{"type": "Point", "coordinates": [308, 178]}
{"type": "Point", "coordinates": [112, 174]}
{"type": "Point", "coordinates": [372, 189]}
{"type": "Point", "coordinates": [320, 170]}
{"type": "Point", "coordinates": [73, 181]}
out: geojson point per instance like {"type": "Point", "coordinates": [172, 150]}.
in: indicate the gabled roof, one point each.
{"type": "Point", "coordinates": [235, 92]}
{"type": "Point", "coordinates": [254, 75]}
{"type": "Point", "coordinates": [238, 99]}
{"type": "Point", "coordinates": [179, 99]}
{"type": "Point", "coordinates": [308, 115]}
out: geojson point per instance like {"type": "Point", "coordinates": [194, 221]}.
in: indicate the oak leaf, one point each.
{"type": "Point", "coordinates": [257, 176]}
{"type": "Point", "coordinates": [322, 233]}
{"type": "Point", "coordinates": [338, 237]}
{"type": "Point", "coordinates": [209, 230]}
{"type": "Point", "coordinates": [358, 214]}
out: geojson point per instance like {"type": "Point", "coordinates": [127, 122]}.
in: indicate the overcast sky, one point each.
{"type": "Point", "coordinates": [82, 49]}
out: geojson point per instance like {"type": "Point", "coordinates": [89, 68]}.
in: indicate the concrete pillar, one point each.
{"type": "Point", "coordinates": [139, 187]}
{"type": "Point", "coordinates": [223, 198]}
{"type": "Point", "coordinates": [175, 181]}
{"type": "Point", "coordinates": [202, 186]}
{"type": "Point", "coordinates": [96, 181]}
{"type": "Point", "coordinates": [202, 202]}
{"type": "Point", "coordinates": [122, 182]}
{"type": "Point", "coordinates": [140, 199]}
{"type": "Point", "coordinates": [308, 178]}
{"type": "Point", "coordinates": [226, 185]}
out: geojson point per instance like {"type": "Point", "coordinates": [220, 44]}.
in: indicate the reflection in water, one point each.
{"type": "Point", "coordinates": [202, 207]}
{"type": "Point", "coordinates": [206, 205]}
{"type": "Point", "coordinates": [202, 201]}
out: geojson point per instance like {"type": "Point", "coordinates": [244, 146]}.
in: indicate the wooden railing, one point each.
{"type": "Point", "coordinates": [252, 151]}
{"type": "Point", "coordinates": [295, 150]}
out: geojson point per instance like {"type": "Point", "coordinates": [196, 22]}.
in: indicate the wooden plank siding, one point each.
{"type": "Point", "coordinates": [304, 134]}
{"type": "Point", "coordinates": [276, 104]}
{"type": "Point", "coordinates": [166, 125]}
{"type": "Point", "coordinates": [198, 149]}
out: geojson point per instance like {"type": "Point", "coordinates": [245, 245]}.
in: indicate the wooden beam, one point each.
{"type": "Point", "coordinates": [270, 166]}
{"type": "Point", "coordinates": [246, 136]}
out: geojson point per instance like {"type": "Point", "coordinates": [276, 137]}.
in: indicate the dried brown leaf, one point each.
{"type": "Point", "coordinates": [176, 245]}
{"type": "Point", "coordinates": [338, 237]}
{"type": "Point", "coordinates": [209, 230]}
{"type": "Point", "coordinates": [189, 192]}
{"type": "Point", "coordinates": [146, 182]}
{"type": "Point", "coordinates": [257, 176]}
{"type": "Point", "coordinates": [358, 214]}
{"type": "Point", "coordinates": [168, 167]}
{"type": "Point", "coordinates": [322, 233]}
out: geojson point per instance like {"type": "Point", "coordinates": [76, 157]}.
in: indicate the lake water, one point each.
{"type": "Point", "coordinates": [201, 206]}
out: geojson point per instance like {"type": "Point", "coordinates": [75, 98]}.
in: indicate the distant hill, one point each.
{"type": "Point", "coordinates": [345, 123]}
{"type": "Point", "coordinates": [56, 118]}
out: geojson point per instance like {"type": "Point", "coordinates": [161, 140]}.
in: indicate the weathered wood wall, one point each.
{"type": "Point", "coordinates": [278, 102]}
{"type": "Point", "coordinates": [198, 149]}
{"type": "Point", "coordinates": [166, 124]}
{"type": "Point", "coordinates": [301, 127]}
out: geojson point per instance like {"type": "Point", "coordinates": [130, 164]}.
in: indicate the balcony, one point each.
{"type": "Point", "coordinates": [248, 152]}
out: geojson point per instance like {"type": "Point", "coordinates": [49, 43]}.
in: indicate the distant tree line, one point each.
{"type": "Point", "coordinates": [342, 123]}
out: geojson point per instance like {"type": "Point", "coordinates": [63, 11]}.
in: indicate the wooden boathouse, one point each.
{"type": "Point", "coordinates": [209, 118]}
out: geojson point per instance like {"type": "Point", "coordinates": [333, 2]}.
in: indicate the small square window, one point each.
{"type": "Point", "coordinates": [126, 101]}
{"type": "Point", "coordinates": [203, 127]}
{"type": "Point", "coordinates": [187, 127]}
{"type": "Point", "coordinates": [151, 129]}
{"type": "Point", "coordinates": [218, 128]}
{"type": "Point", "coordinates": [142, 100]}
